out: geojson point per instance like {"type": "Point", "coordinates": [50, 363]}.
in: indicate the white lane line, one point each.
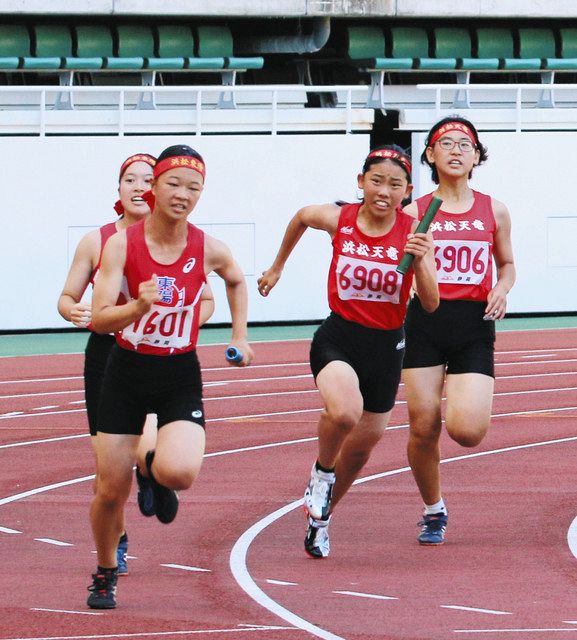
{"type": "Point", "coordinates": [237, 562]}
{"type": "Point", "coordinates": [57, 543]}
{"type": "Point", "coordinates": [42, 393]}
{"type": "Point", "coordinates": [512, 630]}
{"type": "Point", "coordinates": [60, 438]}
{"type": "Point", "coordinates": [11, 414]}
{"type": "Point", "coordinates": [359, 594]}
{"type": "Point", "coordinates": [159, 634]}
{"type": "Point", "coordinates": [572, 538]}
{"type": "Point", "coordinates": [476, 610]}
{"type": "Point", "coordinates": [185, 567]}
{"type": "Point", "coordinates": [49, 487]}
{"type": "Point", "coordinates": [33, 380]}
{"type": "Point", "coordinates": [8, 530]}
{"type": "Point", "coordinates": [239, 552]}
{"type": "Point", "coordinates": [48, 406]}
{"type": "Point", "coordinates": [541, 355]}
{"type": "Point", "coordinates": [79, 613]}
{"type": "Point", "coordinates": [282, 413]}
{"type": "Point", "coordinates": [282, 583]}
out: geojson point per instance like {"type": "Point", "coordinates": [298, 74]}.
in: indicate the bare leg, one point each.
{"type": "Point", "coordinates": [469, 404]}
{"type": "Point", "coordinates": [424, 388]}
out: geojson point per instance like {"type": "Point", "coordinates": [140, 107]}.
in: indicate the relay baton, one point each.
{"type": "Point", "coordinates": [422, 227]}
{"type": "Point", "coordinates": [232, 354]}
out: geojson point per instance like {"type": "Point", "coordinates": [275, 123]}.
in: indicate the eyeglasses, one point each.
{"type": "Point", "coordinates": [448, 145]}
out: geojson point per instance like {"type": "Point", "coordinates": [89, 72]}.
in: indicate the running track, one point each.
{"type": "Point", "coordinates": [232, 565]}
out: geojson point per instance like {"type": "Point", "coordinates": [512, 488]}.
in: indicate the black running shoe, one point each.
{"type": "Point", "coordinates": [103, 590]}
{"type": "Point", "coordinates": [165, 499]}
{"type": "Point", "coordinates": [145, 495]}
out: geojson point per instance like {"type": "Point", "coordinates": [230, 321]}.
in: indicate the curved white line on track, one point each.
{"type": "Point", "coordinates": [572, 537]}
{"type": "Point", "coordinates": [239, 552]}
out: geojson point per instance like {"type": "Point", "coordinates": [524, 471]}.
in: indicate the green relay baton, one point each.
{"type": "Point", "coordinates": [423, 226]}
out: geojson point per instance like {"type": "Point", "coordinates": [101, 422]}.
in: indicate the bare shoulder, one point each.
{"type": "Point", "coordinates": [321, 216]}
{"type": "Point", "coordinates": [501, 213]}
{"type": "Point", "coordinates": [216, 253]}
{"type": "Point", "coordinates": [412, 210]}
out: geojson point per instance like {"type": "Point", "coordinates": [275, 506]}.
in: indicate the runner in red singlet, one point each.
{"type": "Point", "coordinates": [159, 266]}
{"type": "Point", "coordinates": [357, 352]}
{"type": "Point", "coordinates": [455, 345]}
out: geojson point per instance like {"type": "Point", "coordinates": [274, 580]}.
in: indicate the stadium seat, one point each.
{"type": "Point", "coordinates": [176, 42]}
{"type": "Point", "coordinates": [413, 42]}
{"type": "Point", "coordinates": [455, 43]}
{"type": "Point", "coordinates": [498, 44]}
{"type": "Point", "coordinates": [14, 45]}
{"type": "Point", "coordinates": [216, 42]}
{"type": "Point", "coordinates": [568, 52]}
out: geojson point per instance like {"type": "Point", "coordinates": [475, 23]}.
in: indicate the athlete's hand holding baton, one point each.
{"type": "Point", "coordinates": [423, 226]}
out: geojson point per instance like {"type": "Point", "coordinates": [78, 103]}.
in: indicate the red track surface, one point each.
{"type": "Point", "coordinates": [506, 570]}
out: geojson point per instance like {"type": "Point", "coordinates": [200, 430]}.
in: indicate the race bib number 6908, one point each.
{"type": "Point", "coordinates": [366, 280]}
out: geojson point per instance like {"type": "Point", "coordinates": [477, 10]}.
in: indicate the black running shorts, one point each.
{"type": "Point", "coordinates": [375, 355]}
{"type": "Point", "coordinates": [136, 384]}
{"type": "Point", "coordinates": [95, 358]}
{"type": "Point", "coordinates": [455, 335]}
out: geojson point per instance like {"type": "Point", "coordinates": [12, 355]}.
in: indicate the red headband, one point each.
{"type": "Point", "coordinates": [139, 157]}
{"type": "Point", "coordinates": [180, 161]}
{"type": "Point", "coordinates": [391, 154]}
{"type": "Point", "coordinates": [452, 126]}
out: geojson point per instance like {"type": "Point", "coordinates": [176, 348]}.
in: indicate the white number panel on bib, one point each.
{"type": "Point", "coordinates": [365, 280]}
{"type": "Point", "coordinates": [164, 327]}
{"type": "Point", "coordinates": [464, 262]}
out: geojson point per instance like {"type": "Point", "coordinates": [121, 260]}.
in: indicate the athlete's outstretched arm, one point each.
{"type": "Point", "coordinates": [218, 258]}
{"type": "Point", "coordinates": [324, 217]}
{"type": "Point", "coordinates": [107, 315]}
{"type": "Point", "coordinates": [425, 284]}
{"type": "Point", "coordinates": [70, 305]}
{"type": "Point", "coordinates": [503, 255]}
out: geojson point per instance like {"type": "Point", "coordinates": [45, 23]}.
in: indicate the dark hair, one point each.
{"type": "Point", "coordinates": [370, 161]}
{"type": "Point", "coordinates": [483, 155]}
{"type": "Point", "coordinates": [179, 150]}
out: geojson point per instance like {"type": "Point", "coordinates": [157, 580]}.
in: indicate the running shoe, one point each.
{"type": "Point", "coordinates": [317, 498]}
{"type": "Point", "coordinates": [165, 499]}
{"type": "Point", "coordinates": [122, 555]}
{"type": "Point", "coordinates": [317, 543]}
{"type": "Point", "coordinates": [433, 528]}
{"type": "Point", "coordinates": [145, 496]}
{"type": "Point", "coordinates": [103, 590]}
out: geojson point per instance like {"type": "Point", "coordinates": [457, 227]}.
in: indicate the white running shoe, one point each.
{"type": "Point", "coordinates": [317, 543]}
{"type": "Point", "coordinates": [317, 498]}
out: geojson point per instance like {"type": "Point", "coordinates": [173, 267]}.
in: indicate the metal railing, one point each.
{"type": "Point", "coordinates": [462, 97]}
{"type": "Point", "coordinates": [64, 102]}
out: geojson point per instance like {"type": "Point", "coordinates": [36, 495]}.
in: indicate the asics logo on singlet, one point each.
{"type": "Point", "coordinates": [400, 345]}
{"type": "Point", "coordinates": [189, 266]}
{"type": "Point", "coordinates": [197, 413]}
{"type": "Point", "coordinates": [347, 230]}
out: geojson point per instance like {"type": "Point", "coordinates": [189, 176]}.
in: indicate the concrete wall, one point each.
{"type": "Point", "coordinates": [299, 8]}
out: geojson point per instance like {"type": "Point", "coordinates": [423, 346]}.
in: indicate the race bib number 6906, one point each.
{"type": "Point", "coordinates": [461, 262]}
{"type": "Point", "coordinates": [365, 280]}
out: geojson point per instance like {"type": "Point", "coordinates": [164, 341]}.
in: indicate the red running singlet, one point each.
{"type": "Point", "coordinates": [363, 285]}
{"type": "Point", "coordinates": [463, 249]}
{"type": "Point", "coordinates": [171, 325]}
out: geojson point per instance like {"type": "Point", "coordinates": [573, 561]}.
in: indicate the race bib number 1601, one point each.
{"type": "Point", "coordinates": [365, 280]}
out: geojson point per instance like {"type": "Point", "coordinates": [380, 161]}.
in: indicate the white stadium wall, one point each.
{"type": "Point", "coordinates": [55, 189]}
{"type": "Point", "coordinates": [534, 175]}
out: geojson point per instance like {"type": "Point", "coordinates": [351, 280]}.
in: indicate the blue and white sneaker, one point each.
{"type": "Point", "coordinates": [122, 556]}
{"type": "Point", "coordinates": [433, 527]}
{"type": "Point", "coordinates": [317, 543]}
{"type": "Point", "coordinates": [317, 498]}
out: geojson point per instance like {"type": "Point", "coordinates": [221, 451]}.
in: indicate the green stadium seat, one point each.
{"type": "Point", "coordinates": [14, 45]}
{"type": "Point", "coordinates": [413, 42]}
{"type": "Point", "coordinates": [366, 48]}
{"type": "Point", "coordinates": [498, 43]}
{"type": "Point", "coordinates": [215, 42]}
{"type": "Point", "coordinates": [134, 44]}
{"type": "Point", "coordinates": [455, 43]}
{"type": "Point", "coordinates": [177, 42]}
{"type": "Point", "coordinates": [568, 50]}
{"type": "Point", "coordinates": [50, 44]}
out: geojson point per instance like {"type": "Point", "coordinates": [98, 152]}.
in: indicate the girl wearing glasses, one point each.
{"type": "Point", "coordinates": [455, 344]}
